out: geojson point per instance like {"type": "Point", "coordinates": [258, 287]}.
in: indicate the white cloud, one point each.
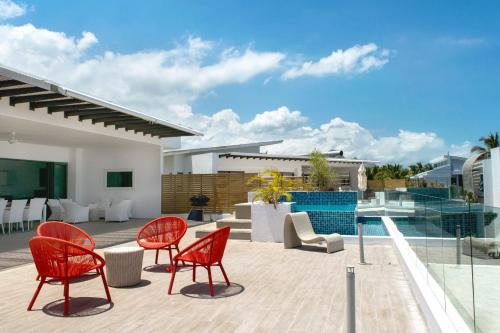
{"type": "Point", "coordinates": [159, 82]}
{"type": "Point", "coordinates": [10, 9]}
{"type": "Point", "coordinates": [225, 127]}
{"type": "Point", "coordinates": [355, 60]}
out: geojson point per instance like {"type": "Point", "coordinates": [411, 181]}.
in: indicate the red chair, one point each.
{"type": "Point", "coordinates": [67, 232]}
{"type": "Point", "coordinates": [207, 252]}
{"type": "Point", "coordinates": [163, 233]}
{"type": "Point", "coordinates": [62, 260]}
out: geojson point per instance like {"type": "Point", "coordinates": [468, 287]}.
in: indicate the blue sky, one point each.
{"type": "Point", "coordinates": [440, 74]}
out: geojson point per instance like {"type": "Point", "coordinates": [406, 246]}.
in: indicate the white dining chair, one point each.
{"type": "Point", "coordinates": [35, 211]}
{"type": "Point", "coordinates": [3, 204]}
{"type": "Point", "coordinates": [15, 213]}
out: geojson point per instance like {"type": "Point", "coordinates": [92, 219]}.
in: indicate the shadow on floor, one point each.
{"type": "Point", "coordinates": [86, 277]}
{"type": "Point", "coordinates": [221, 290]}
{"type": "Point", "coordinates": [162, 268]}
{"type": "Point", "coordinates": [141, 284]}
{"type": "Point", "coordinates": [79, 307]}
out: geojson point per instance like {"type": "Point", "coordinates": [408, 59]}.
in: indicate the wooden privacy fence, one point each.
{"type": "Point", "coordinates": [386, 184]}
{"type": "Point", "coordinates": [224, 190]}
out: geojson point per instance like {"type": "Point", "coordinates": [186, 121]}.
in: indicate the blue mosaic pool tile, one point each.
{"type": "Point", "coordinates": [325, 198]}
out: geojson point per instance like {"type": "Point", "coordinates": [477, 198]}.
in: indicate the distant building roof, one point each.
{"type": "Point", "coordinates": [219, 148]}
{"type": "Point", "coordinates": [261, 156]}
{"type": "Point", "coordinates": [445, 157]}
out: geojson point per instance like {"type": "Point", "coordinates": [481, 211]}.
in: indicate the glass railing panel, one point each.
{"type": "Point", "coordinates": [434, 246]}
{"type": "Point", "coordinates": [438, 231]}
{"type": "Point", "coordinates": [457, 227]}
{"type": "Point", "coordinates": [485, 256]}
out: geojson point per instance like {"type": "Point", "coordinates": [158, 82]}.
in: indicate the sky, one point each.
{"type": "Point", "coordinates": [393, 81]}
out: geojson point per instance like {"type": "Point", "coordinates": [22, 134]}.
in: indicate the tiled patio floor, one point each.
{"type": "Point", "coordinates": [273, 290]}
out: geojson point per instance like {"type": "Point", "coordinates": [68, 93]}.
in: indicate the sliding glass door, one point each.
{"type": "Point", "coordinates": [24, 179]}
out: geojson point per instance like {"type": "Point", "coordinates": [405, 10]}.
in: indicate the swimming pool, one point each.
{"type": "Point", "coordinates": [341, 219]}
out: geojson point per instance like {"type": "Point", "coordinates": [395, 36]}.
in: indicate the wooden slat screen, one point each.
{"type": "Point", "coordinates": [224, 190]}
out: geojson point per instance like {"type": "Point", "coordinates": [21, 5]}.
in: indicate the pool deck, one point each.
{"type": "Point", "coordinates": [273, 290]}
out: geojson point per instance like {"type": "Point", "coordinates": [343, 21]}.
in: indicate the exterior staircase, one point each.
{"type": "Point", "coordinates": [240, 223]}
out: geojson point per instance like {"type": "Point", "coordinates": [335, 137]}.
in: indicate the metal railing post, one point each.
{"type": "Point", "coordinates": [351, 300]}
{"type": "Point", "coordinates": [361, 245]}
{"type": "Point", "coordinates": [459, 244]}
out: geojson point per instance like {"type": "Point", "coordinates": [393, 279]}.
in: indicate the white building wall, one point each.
{"type": "Point", "coordinates": [88, 150]}
{"type": "Point", "coordinates": [34, 152]}
{"type": "Point", "coordinates": [87, 167]}
{"type": "Point", "coordinates": [204, 163]}
{"type": "Point", "coordinates": [144, 161]}
{"type": "Point", "coordinates": [256, 165]}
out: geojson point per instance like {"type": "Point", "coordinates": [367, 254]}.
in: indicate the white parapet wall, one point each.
{"type": "Point", "coordinates": [268, 221]}
{"type": "Point", "coordinates": [491, 179]}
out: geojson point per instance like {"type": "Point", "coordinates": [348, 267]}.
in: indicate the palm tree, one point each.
{"type": "Point", "coordinates": [491, 141]}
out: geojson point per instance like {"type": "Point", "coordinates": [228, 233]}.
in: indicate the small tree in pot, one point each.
{"type": "Point", "coordinates": [322, 176]}
{"type": "Point", "coordinates": [268, 215]}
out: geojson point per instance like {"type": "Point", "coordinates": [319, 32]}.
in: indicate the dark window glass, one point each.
{"type": "Point", "coordinates": [119, 179]}
{"type": "Point", "coordinates": [24, 179]}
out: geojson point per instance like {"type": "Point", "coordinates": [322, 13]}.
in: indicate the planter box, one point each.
{"type": "Point", "coordinates": [267, 221]}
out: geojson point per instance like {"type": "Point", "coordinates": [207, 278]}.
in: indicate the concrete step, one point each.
{"type": "Point", "coordinates": [234, 223]}
{"type": "Point", "coordinates": [239, 234]}
{"type": "Point", "coordinates": [243, 210]}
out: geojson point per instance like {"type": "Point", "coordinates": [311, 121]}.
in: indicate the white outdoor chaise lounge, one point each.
{"type": "Point", "coordinates": [74, 213]}
{"type": "Point", "coordinates": [119, 212]}
{"type": "Point", "coordinates": [298, 230]}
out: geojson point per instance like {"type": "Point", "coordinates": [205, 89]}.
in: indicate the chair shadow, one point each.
{"type": "Point", "coordinates": [78, 307]}
{"type": "Point", "coordinates": [83, 278]}
{"type": "Point", "coordinates": [312, 248]}
{"type": "Point", "coordinates": [141, 284]}
{"type": "Point", "coordinates": [221, 290]}
{"type": "Point", "coordinates": [161, 268]}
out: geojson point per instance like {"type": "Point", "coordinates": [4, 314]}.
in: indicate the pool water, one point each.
{"type": "Point", "coordinates": [408, 226]}
{"type": "Point", "coordinates": [372, 226]}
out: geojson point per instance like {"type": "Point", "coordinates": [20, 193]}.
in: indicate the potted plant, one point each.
{"type": "Point", "coordinates": [270, 205]}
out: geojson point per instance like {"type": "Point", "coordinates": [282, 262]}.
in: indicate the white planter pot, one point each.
{"type": "Point", "coordinates": [267, 221]}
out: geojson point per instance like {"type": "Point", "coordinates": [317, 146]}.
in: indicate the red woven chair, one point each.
{"type": "Point", "coordinates": [67, 232]}
{"type": "Point", "coordinates": [207, 252]}
{"type": "Point", "coordinates": [163, 233]}
{"type": "Point", "coordinates": [62, 260]}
